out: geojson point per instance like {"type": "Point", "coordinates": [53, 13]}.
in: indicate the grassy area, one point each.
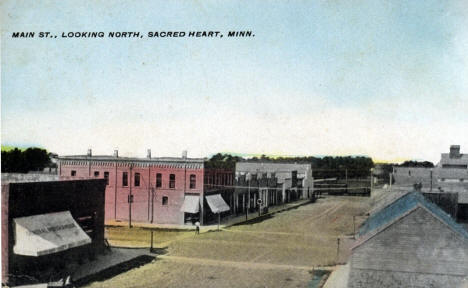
{"type": "Point", "coordinates": [141, 237]}
{"type": "Point", "coordinates": [164, 273]}
{"type": "Point", "coordinates": [281, 251]}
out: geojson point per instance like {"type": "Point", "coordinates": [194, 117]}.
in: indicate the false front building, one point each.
{"type": "Point", "coordinates": [155, 190]}
{"type": "Point", "coordinates": [260, 185]}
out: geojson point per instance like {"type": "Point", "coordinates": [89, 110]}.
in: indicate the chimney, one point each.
{"type": "Point", "coordinates": [184, 154]}
{"type": "Point", "coordinates": [148, 153]}
{"type": "Point", "coordinates": [116, 153]}
{"type": "Point", "coordinates": [455, 151]}
{"type": "Point", "coordinates": [90, 152]}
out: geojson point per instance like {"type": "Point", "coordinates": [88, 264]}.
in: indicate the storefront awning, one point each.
{"type": "Point", "coordinates": [216, 203]}
{"type": "Point", "coordinates": [47, 233]}
{"type": "Point", "coordinates": [191, 204]}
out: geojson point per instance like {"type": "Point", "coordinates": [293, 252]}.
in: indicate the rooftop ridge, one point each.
{"type": "Point", "coordinates": [142, 159]}
{"type": "Point", "coordinates": [402, 205]}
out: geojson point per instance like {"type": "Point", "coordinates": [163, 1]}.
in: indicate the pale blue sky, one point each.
{"type": "Point", "coordinates": [387, 79]}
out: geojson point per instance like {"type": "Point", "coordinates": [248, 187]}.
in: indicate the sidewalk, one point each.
{"type": "Point", "coordinates": [235, 220]}
{"type": "Point", "coordinates": [339, 277]}
{"type": "Point", "coordinates": [226, 222]}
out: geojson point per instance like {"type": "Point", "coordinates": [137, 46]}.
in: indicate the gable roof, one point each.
{"type": "Point", "coordinates": [386, 199]}
{"type": "Point", "coordinates": [399, 209]}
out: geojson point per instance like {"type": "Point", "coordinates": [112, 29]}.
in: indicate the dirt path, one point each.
{"type": "Point", "coordinates": [239, 264]}
{"type": "Point", "coordinates": [312, 235]}
{"type": "Point", "coordinates": [279, 251]}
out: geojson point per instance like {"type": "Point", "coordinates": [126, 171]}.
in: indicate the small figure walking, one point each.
{"type": "Point", "coordinates": [197, 227]}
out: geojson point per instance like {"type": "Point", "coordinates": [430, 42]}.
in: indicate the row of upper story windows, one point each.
{"type": "Point", "coordinates": [219, 179]}
{"type": "Point", "coordinates": [137, 179]}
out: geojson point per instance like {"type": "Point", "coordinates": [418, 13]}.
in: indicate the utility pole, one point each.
{"type": "Point", "coordinates": [431, 179]}
{"type": "Point", "coordinates": [391, 180]}
{"type": "Point", "coordinates": [248, 201]}
{"type": "Point", "coordinates": [337, 250]}
{"type": "Point", "coordinates": [152, 205]}
{"type": "Point", "coordinates": [130, 199]}
{"type": "Point", "coordinates": [346, 176]}
{"type": "Point", "coordinates": [354, 226]}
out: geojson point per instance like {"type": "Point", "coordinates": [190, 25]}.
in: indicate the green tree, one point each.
{"type": "Point", "coordinates": [17, 161]}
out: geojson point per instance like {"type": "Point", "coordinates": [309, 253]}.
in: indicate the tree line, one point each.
{"type": "Point", "coordinates": [422, 164]}
{"type": "Point", "coordinates": [323, 167]}
{"type": "Point", "coordinates": [23, 161]}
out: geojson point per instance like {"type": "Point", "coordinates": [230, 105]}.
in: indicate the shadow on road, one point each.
{"type": "Point", "coordinates": [255, 220]}
{"type": "Point", "coordinates": [116, 270]}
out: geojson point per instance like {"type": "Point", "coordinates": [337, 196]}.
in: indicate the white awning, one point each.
{"type": "Point", "coordinates": [47, 233]}
{"type": "Point", "coordinates": [216, 203]}
{"type": "Point", "coordinates": [191, 204]}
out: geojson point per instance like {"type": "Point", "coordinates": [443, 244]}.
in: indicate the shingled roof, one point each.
{"type": "Point", "coordinates": [400, 208]}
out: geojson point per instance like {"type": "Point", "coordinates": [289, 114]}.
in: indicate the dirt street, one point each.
{"type": "Point", "coordinates": [281, 251]}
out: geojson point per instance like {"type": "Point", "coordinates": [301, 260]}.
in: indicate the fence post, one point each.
{"type": "Point", "coordinates": [151, 246]}
{"type": "Point", "coordinates": [337, 250]}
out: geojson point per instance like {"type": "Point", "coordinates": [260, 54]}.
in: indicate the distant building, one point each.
{"type": "Point", "coordinates": [154, 190]}
{"type": "Point", "coordinates": [410, 242]}
{"type": "Point", "coordinates": [452, 168]}
{"type": "Point", "coordinates": [49, 226]}
{"type": "Point", "coordinates": [449, 175]}
{"type": "Point", "coordinates": [272, 183]}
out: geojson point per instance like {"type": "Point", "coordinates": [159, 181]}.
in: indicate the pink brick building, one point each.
{"type": "Point", "coordinates": [153, 190]}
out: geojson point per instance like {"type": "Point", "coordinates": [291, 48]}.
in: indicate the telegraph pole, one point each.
{"type": "Point", "coordinates": [346, 176]}
{"type": "Point", "coordinates": [248, 201]}
{"type": "Point", "coordinates": [337, 250]}
{"type": "Point", "coordinates": [431, 179]}
{"type": "Point", "coordinates": [354, 226]}
{"type": "Point", "coordinates": [130, 199]}
{"type": "Point", "coordinates": [391, 180]}
{"type": "Point", "coordinates": [152, 205]}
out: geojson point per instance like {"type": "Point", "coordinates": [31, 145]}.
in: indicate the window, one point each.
{"type": "Point", "coordinates": [171, 181]}
{"type": "Point", "coordinates": [158, 180]}
{"type": "Point", "coordinates": [165, 200]}
{"type": "Point", "coordinates": [137, 179]}
{"type": "Point", "coordinates": [193, 181]}
{"type": "Point", "coordinates": [96, 173]}
{"type": "Point", "coordinates": [409, 172]}
{"type": "Point", "coordinates": [73, 173]}
{"type": "Point", "coordinates": [125, 179]}
{"type": "Point", "coordinates": [106, 176]}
